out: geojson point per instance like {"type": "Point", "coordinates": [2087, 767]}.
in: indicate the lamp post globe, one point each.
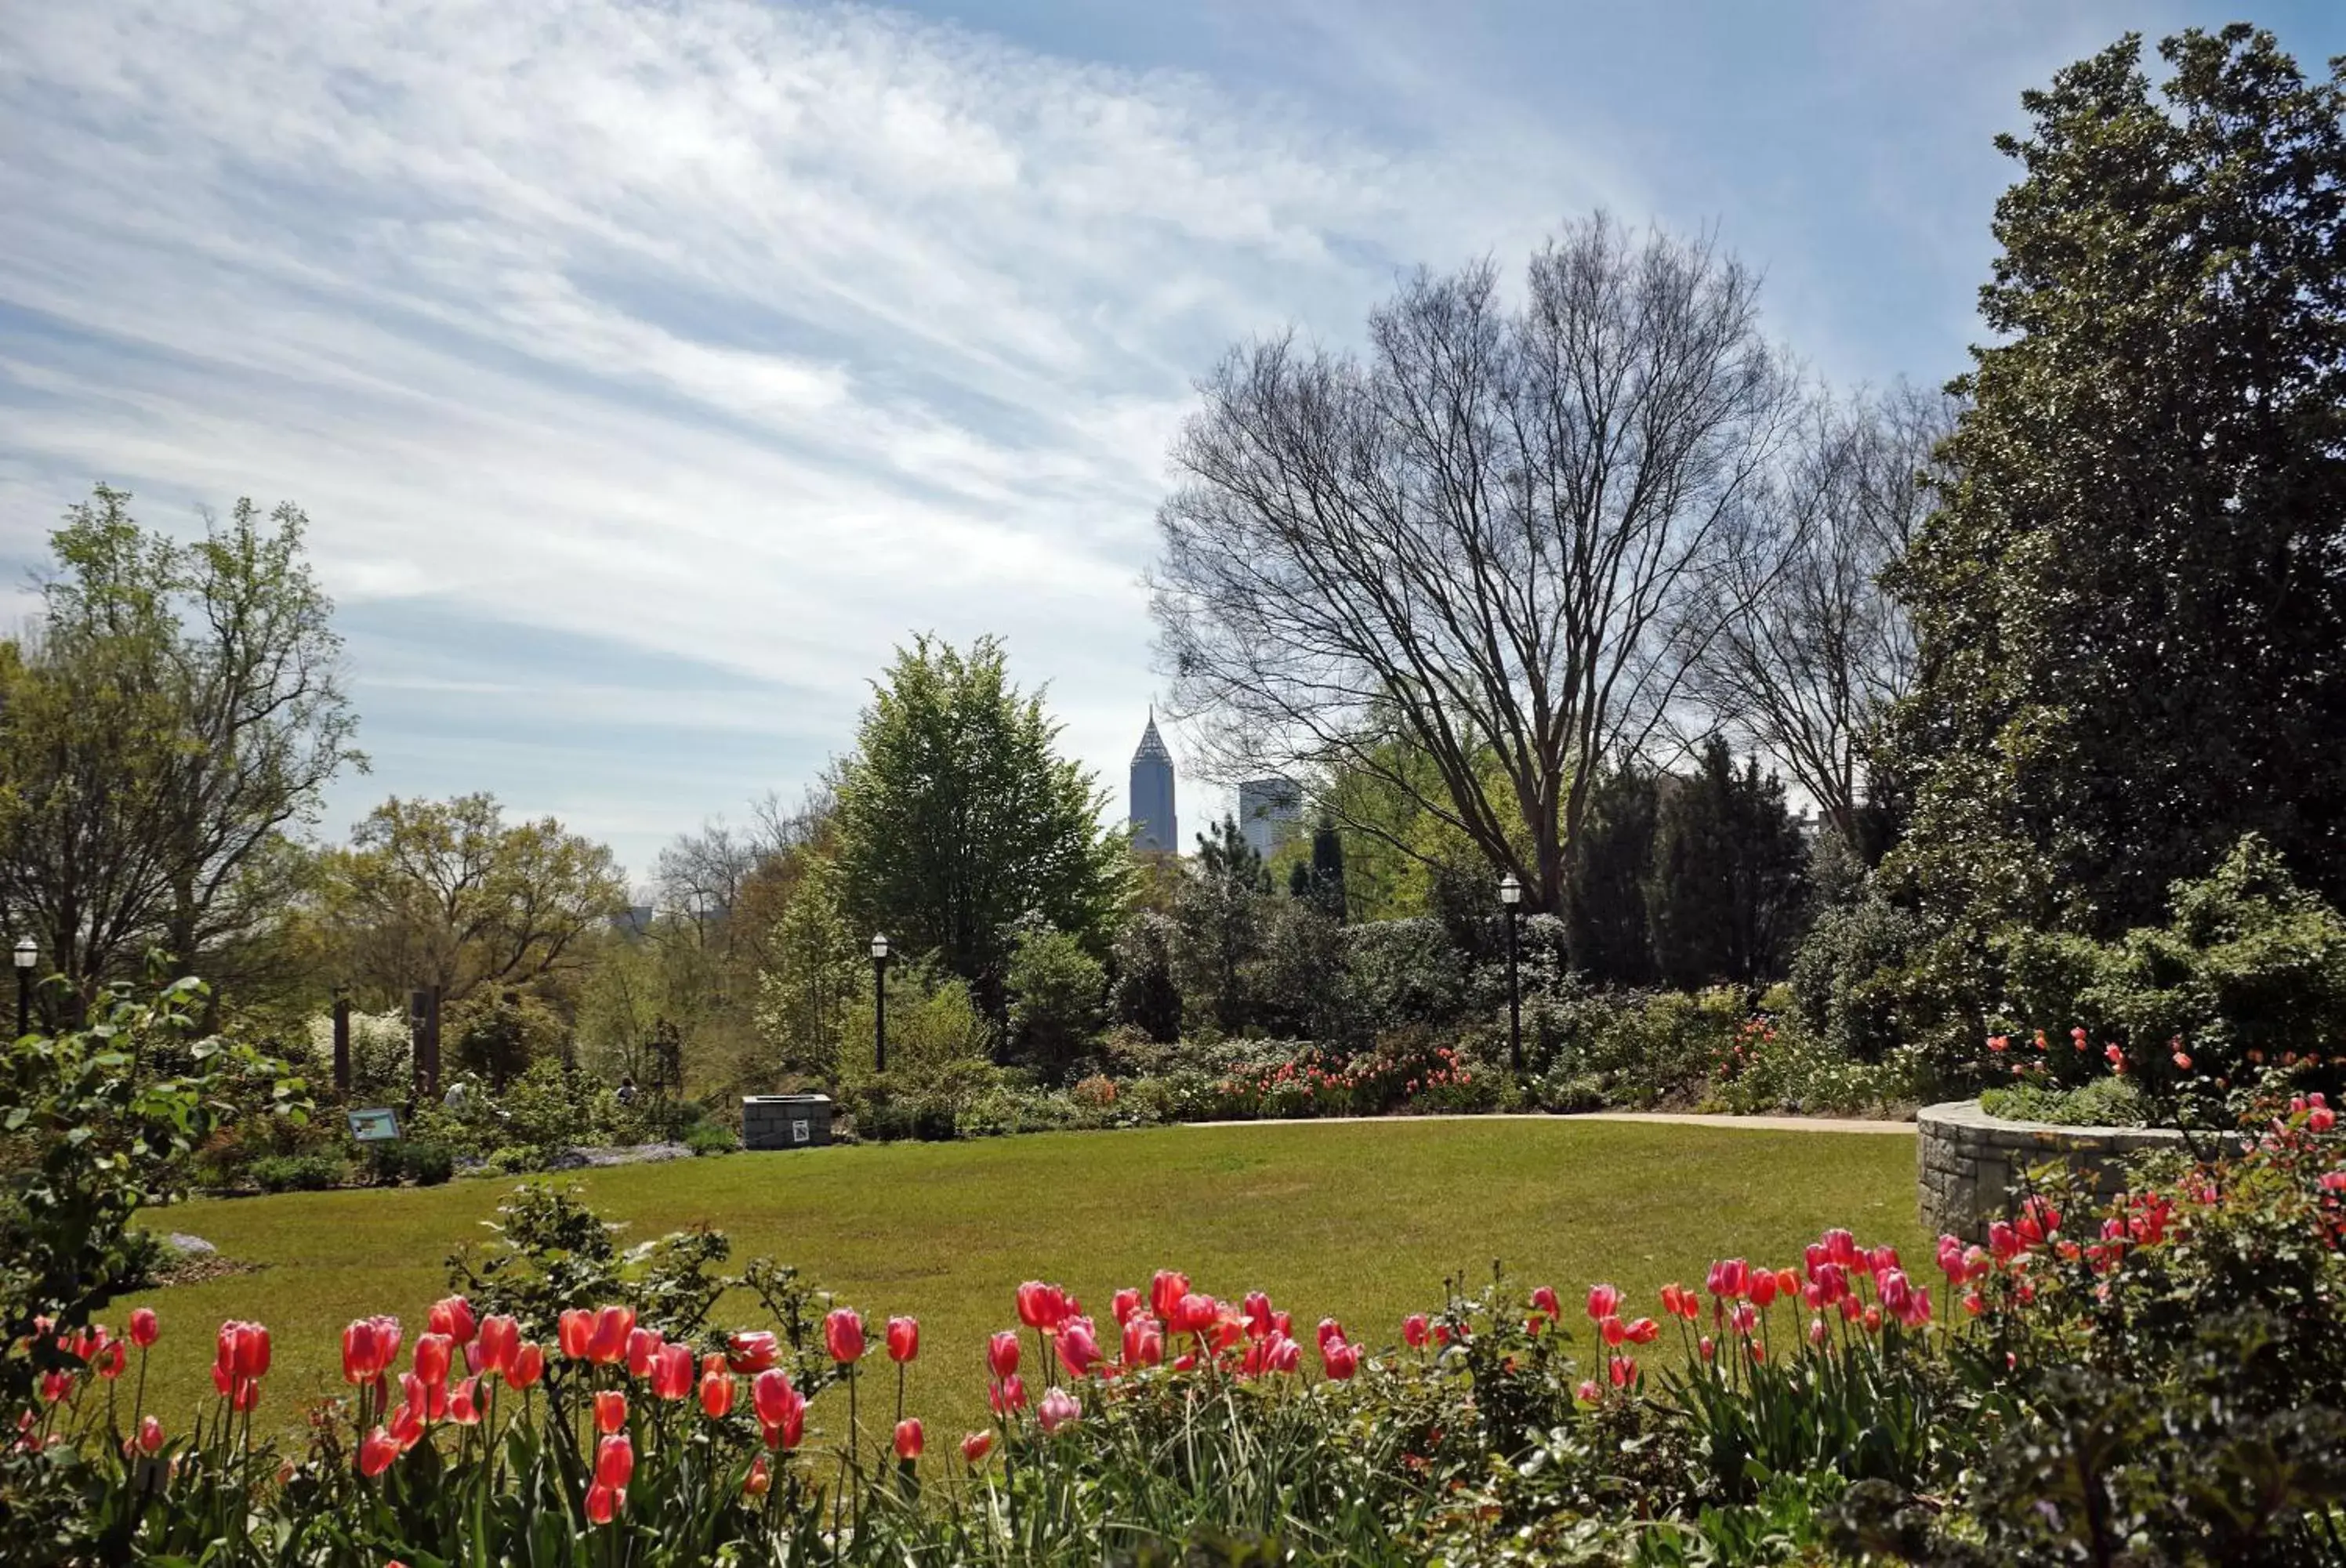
{"type": "Point", "coordinates": [879, 1002]}
{"type": "Point", "coordinates": [1511, 896]}
{"type": "Point", "coordinates": [27, 954]}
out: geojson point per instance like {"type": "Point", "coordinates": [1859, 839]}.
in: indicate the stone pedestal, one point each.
{"type": "Point", "coordinates": [1970, 1163]}
{"type": "Point", "coordinates": [785, 1121]}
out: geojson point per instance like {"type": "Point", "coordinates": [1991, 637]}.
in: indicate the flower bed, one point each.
{"type": "Point", "coordinates": [1970, 1162]}
{"type": "Point", "coordinates": [2031, 1399]}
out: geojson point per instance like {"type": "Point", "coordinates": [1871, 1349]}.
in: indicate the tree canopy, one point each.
{"type": "Point", "coordinates": [958, 817]}
{"type": "Point", "coordinates": [2131, 609]}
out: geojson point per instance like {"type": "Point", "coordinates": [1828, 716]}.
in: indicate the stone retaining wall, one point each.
{"type": "Point", "coordinates": [1970, 1161]}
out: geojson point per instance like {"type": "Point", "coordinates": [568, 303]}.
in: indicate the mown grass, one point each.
{"type": "Point", "coordinates": [1362, 1222]}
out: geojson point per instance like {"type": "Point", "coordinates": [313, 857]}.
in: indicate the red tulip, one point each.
{"type": "Point", "coordinates": [602, 1503]}
{"type": "Point", "coordinates": [1041, 1306]}
{"type": "Point", "coordinates": [610, 1411]}
{"type": "Point", "coordinates": [909, 1438]}
{"type": "Point", "coordinates": [1416, 1331]}
{"type": "Point", "coordinates": [716, 1394]}
{"type": "Point", "coordinates": [1165, 1293]}
{"type": "Point", "coordinates": [432, 1357]}
{"type": "Point", "coordinates": [1544, 1298]}
{"type": "Point", "coordinates": [1763, 1287]}
{"type": "Point", "coordinates": [1257, 1312]}
{"type": "Point", "coordinates": [1144, 1343]}
{"type": "Point", "coordinates": [1127, 1303]}
{"type": "Point", "coordinates": [1007, 1395]}
{"type": "Point", "coordinates": [1078, 1346]}
{"type": "Point", "coordinates": [1194, 1314]}
{"type": "Point", "coordinates": [576, 1333]}
{"type": "Point", "coordinates": [453, 1317]}
{"type": "Point", "coordinates": [843, 1335]}
{"type": "Point", "coordinates": [1603, 1301]}
{"type": "Point", "coordinates": [150, 1436]}
{"type": "Point", "coordinates": [407, 1426]}
{"type": "Point", "coordinates": [108, 1361]}
{"type": "Point", "coordinates": [760, 1478]}
{"type": "Point", "coordinates": [781, 1410]}
{"type": "Point", "coordinates": [376, 1451]}
{"type": "Point", "coordinates": [144, 1328]}
{"type": "Point", "coordinates": [1622, 1371]}
{"type": "Point", "coordinates": [1058, 1408]}
{"type": "Point", "coordinates": [608, 1343]}
{"type": "Point", "coordinates": [1643, 1331]}
{"type": "Point", "coordinates": [1612, 1330]}
{"type": "Point", "coordinates": [1590, 1393]}
{"type": "Point", "coordinates": [529, 1366]}
{"type": "Point", "coordinates": [500, 1338]}
{"type": "Point", "coordinates": [1729, 1279]}
{"type": "Point", "coordinates": [904, 1339]}
{"type": "Point", "coordinates": [614, 1463]}
{"type": "Point", "coordinates": [2320, 1118]}
{"type": "Point", "coordinates": [752, 1351]}
{"type": "Point", "coordinates": [1001, 1354]}
{"type": "Point", "coordinates": [1816, 1332]}
{"type": "Point", "coordinates": [643, 1344]}
{"type": "Point", "coordinates": [1840, 1247]}
{"type": "Point", "coordinates": [244, 1349]}
{"type": "Point", "coordinates": [975, 1447]}
{"type": "Point", "coordinates": [465, 1403]}
{"type": "Point", "coordinates": [671, 1372]}
{"type": "Point", "coordinates": [1338, 1360]}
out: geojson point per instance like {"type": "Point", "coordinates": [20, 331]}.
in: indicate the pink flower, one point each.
{"type": "Point", "coordinates": [975, 1447]}
{"type": "Point", "coordinates": [1143, 1341]}
{"type": "Point", "coordinates": [1603, 1301]}
{"type": "Point", "coordinates": [1006, 1396]}
{"type": "Point", "coordinates": [453, 1317]}
{"type": "Point", "coordinates": [842, 1335]}
{"type": "Point", "coordinates": [1079, 1349]}
{"type": "Point", "coordinates": [1729, 1279]}
{"type": "Point", "coordinates": [909, 1438]}
{"type": "Point", "coordinates": [1057, 1408]}
{"type": "Point", "coordinates": [1590, 1393]}
{"type": "Point", "coordinates": [1544, 1298]}
{"type": "Point", "coordinates": [144, 1328]}
{"type": "Point", "coordinates": [1415, 1330]}
{"type": "Point", "coordinates": [752, 1351]}
{"type": "Point", "coordinates": [1001, 1354]}
{"type": "Point", "coordinates": [1124, 1303]}
{"type": "Point", "coordinates": [1041, 1306]}
{"type": "Point", "coordinates": [1339, 1360]}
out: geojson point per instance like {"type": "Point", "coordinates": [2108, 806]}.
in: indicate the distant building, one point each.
{"type": "Point", "coordinates": [1154, 825]}
{"type": "Point", "coordinates": [1271, 813]}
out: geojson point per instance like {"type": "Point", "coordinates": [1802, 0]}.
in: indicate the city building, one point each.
{"type": "Point", "coordinates": [1271, 813]}
{"type": "Point", "coordinates": [1155, 827]}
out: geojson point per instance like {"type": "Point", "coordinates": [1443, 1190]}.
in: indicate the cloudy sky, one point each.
{"type": "Point", "coordinates": [650, 369]}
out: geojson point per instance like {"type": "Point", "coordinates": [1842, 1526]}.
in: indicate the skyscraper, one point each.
{"type": "Point", "coordinates": [1154, 825]}
{"type": "Point", "coordinates": [1271, 813]}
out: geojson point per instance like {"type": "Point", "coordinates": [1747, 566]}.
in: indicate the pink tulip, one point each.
{"type": "Point", "coordinates": [909, 1438]}
{"type": "Point", "coordinates": [1603, 1301]}
{"type": "Point", "coordinates": [529, 1366]}
{"type": "Point", "coordinates": [1415, 1330]}
{"type": "Point", "coordinates": [1339, 1360]}
{"type": "Point", "coordinates": [1042, 1306]}
{"type": "Point", "coordinates": [716, 1395]}
{"type": "Point", "coordinates": [614, 1463]}
{"type": "Point", "coordinates": [752, 1351]}
{"type": "Point", "coordinates": [643, 1344]}
{"type": "Point", "coordinates": [671, 1372]}
{"type": "Point", "coordinates": [974, 1447]}
{"type": "Point", "coordinates": [1008, 1396]}
{"type": "Point", "coordinates": [1001, 1354]}
{"type": "Point", "coordinates": [1144, 1343]}
{"type": "Point", "coordinates": [904, 1339]}
{"type": "Point", "coordinates": [843, 1335]}
{"type": "Point", "coordinates": [1079, 1349]}
{"type": "Point", "coordinates": [1057, 1408]}
{"type": "Point", "coordinates": [144, 1327]}
{"type": "Point", "coordinates": [1124, 1303]}
{"type": "Point", "coordinates": [453, 1317]}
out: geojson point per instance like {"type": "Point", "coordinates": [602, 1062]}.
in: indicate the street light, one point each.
{"type": "Point", "coordinates": [1511, 894]}
{"type": "Point", "coordinates": [28, 954]}
{"type": "Point", "coordinates": [879, 1002]}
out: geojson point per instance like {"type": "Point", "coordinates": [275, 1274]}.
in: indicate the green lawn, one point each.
{"type": "Point", "coordinates": [1359, 1221]}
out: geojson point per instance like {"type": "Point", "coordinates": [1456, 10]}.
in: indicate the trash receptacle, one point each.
{"type": "Point", "coordinates": [785, 1121]}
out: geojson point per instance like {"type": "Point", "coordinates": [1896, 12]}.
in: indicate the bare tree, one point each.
{"type": "Point", "coordinates": [1496, 541]}
{"type": "Point", "coordinates": [1810, 647]}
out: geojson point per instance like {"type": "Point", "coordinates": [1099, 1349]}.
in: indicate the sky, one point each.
{"type": "Point", "coordinates": [649, 372]}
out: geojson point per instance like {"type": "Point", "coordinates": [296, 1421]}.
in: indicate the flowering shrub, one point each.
{"type": "Point", "coordinates": [2156, 1379]}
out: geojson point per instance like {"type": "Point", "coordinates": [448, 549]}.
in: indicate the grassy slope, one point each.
{"type": "Point", "coordinates": [1361, 1222]}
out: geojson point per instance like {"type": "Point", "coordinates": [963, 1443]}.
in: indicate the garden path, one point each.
{"type": "Point", "coordinates": [1672, 1118]}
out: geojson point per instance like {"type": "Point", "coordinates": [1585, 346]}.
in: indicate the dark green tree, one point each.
{"type": "Point", "coordinates": [1319, 881]}
{"type": "Point", "coordinates": [1604, 920]}
{"type": "Point", "coordinates": [1218, 919]}
{"type": "Point", "coordinates": [958, 817]}
{"type": "Point", "coordinates": [1725, 898]}
{"type": "Point", "coordinates": [2131, 606]}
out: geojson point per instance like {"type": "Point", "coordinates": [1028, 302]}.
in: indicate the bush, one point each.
{"type": "Point", "coordinates": [2111, 1102]}
{"type": "Point", "coordinates": [422, 1162]}
{"type": "Point", "coordinates": [2250, 969]}
{"type": "Point", "coordinates": [1057, 993]}
{"type": "Point", "coordinates": [298, 1173]}
{"type": "Point", "coordinates": [708, 1138]}
{"type": "Point", "coordinates": [1778, 1064]}
{"type": "Point", "coordinates": [1144, 997]}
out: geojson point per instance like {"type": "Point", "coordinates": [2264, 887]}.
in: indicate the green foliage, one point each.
{"type": "Point", "coordinates": [497, 1034]}
{"type": "Point", "coordinates": [168, 721]}
{"type": "Point", "coordinates": [1217, 916]}
{"type": "Point", "coordinates": [1056, 994]}
{"type": "Point", "coordinates": [383, 1055]}
{"type": "Point", "coordinates": [298, 1173]}
{"type": "Point", "coordinates": [1778, 1064]}
{"type": "Point", "coordinates": [2251, 968]}
{"type": "Point", "coordinates": [2139, 549]}
{"type": "Point", "coordinates": [91, 1135]}
{"type": "Point", "coordinates": [958, 817]}
{"type": "Point", "coordinates": [814, 965]}
{"type": "Point", "coordinates": [1726, 897]}
{"type": "Point", "coordinates": [1605, 913]}
{"type": "Point", "coordinates": [551, 1253]}
{"type": "Point", "coordinates": [1144, 995]}
{"type": "Point", "coordinates": [2105, 1101]}
{"type": "Point", "coordinates": [711, 1138]}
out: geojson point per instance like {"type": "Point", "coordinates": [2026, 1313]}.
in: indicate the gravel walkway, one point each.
{"type": "Point", "coordinates": [1665, 1119]}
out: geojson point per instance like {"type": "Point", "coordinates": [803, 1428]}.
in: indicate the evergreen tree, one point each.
{"type": "Point", "coordinates": [1217, 926]}
{"type": "Point", "coordinates": [1606, 934]}
{"type": "Point", "coordinates": [2131, 606]}
{"type": "Point", "coordinates": [1724, 895]}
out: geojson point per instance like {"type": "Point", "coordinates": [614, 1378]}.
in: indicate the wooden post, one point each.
{"type": "Point", "coordinates": [341, 1040]}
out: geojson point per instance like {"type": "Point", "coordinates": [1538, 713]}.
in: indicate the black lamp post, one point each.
{"type": "Point", "coordinates": [1511, 894]}
{"type": "Point", "coordinates": [28, 954]}
{"type": "Point", "coordinates": [879, 1003]}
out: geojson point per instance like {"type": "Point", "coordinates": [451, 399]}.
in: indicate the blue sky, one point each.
{"type": "Point", "coordinates": [650, 370]}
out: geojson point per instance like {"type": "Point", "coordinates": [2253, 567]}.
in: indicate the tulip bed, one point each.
{"type": "Point", "coordinates": [1359, 1220]}
{"type": "Point", "coordinates": [2153, 1379]}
